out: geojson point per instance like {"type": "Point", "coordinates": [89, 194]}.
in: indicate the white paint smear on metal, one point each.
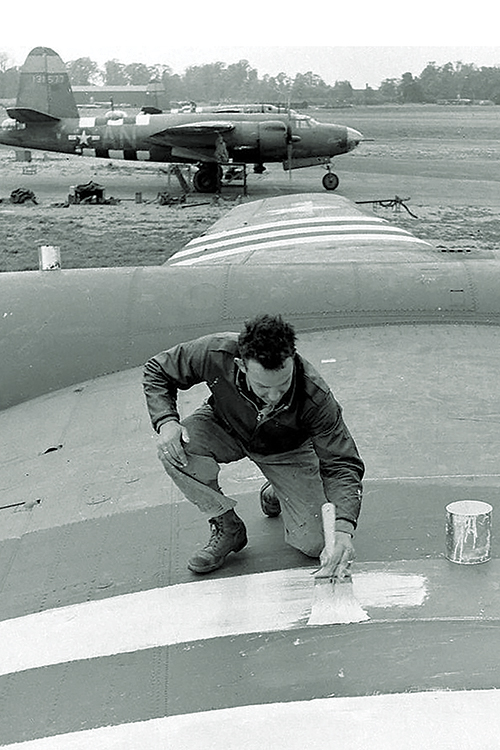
{"type": "Point", "coordinates": [466, 720]}
{"type": "Point", "coordinates": [277, 600]}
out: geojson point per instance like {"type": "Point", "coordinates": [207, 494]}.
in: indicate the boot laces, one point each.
{"type": "Point", "coordinates": [217, 534]}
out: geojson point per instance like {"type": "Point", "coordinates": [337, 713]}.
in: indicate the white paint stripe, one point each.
{"type": "Point", "coordinates": [465, 720]}
{"type": "Point", "coordinates": [277, 600]}
{"type": "Point", "coordinates": [86, 122]}
{"type": "Point", "coordinates": [255, 228]}
{"type": "Point", "coordinates": [303, 241]}
{"type": "Point", "coordinates": [207, 244]}
{"type": "Point", "coordinates": [420, 477]}
{"type": "Point", "coordinates": [223, 238]}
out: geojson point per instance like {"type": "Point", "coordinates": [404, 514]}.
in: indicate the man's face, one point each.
{"type": "Point", "coordinates": [269, 385]}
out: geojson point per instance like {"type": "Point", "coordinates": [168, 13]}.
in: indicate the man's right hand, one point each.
{"type": "Point", "coordinates": [172, 436]}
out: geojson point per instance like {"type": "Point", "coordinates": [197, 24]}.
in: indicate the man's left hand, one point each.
{"type": "Point", "coordinates": [337, 564]}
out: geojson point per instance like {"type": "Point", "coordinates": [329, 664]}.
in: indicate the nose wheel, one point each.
{"type": "Point", "coordinates": [330, 181]}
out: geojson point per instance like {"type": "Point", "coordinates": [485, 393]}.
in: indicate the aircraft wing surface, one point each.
{"type": "Point", "coordinates": [187, 129]}
{"type": "Point", "coordinates": [315, 228]}
{"type": "Point", "coordinates": [108, 640]}
{"type": "Point", "coordinates": [192, 138]}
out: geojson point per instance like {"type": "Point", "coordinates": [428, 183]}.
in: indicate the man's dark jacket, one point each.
{"type": "Point", "coordinates": [308, 411]}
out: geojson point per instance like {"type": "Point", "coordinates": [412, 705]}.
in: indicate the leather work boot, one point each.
{"type": "Point", "coordinates": [228, 535]}
{"type": "Point", "coordinates": [268, 501]}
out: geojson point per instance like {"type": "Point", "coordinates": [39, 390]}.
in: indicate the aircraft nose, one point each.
{"type": "Point", "coordinates": [353, 138]}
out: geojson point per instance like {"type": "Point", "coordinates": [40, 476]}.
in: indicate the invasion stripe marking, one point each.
{"type": "Point", "coordinates": [278, 600]}
{"type": "Point", "coordinates": [377, 722]}
{"type": "Point", "coordinates": [297, 232]}
{"type": "Point", "coordinates": [258, 228]}
{"type": "Point", "coordinates": [249, 248]}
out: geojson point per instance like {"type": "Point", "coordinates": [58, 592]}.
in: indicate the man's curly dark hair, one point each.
{"type": "Point", "coordinates": [268, 339]}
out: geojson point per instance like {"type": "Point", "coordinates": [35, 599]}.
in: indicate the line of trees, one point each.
{"type": "Point", "coordinates": [219, 82]}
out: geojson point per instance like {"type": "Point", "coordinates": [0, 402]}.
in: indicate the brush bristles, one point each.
{"type": "Point", "coordinates": [335, 603]}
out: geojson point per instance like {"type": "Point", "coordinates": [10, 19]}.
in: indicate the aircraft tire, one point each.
{"type": "Point", "coordinates": [206, 181]}
{"type": "Point", "coordinates": [330, 181]}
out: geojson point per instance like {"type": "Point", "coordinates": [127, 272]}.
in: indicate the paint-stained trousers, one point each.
{"type": "Point", "coordinates": [294, 476]}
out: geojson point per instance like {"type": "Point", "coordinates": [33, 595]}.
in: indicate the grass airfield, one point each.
{"type": "Point", "coordinates": [445, 159]}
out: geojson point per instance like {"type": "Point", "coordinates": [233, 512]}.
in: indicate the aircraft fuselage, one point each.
{"type": "Point", "coordinates": [162, 137]}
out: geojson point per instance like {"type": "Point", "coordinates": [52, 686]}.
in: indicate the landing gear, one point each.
{"type": "Point", "coordinates": [207, 178]}
{"type": "Point", "coordinates": [330, 181]}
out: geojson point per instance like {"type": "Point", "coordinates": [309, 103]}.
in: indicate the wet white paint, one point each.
{"type": "Point", "coordinates": [466, 720]}
{"type": "Point", "coordinates": [335, 603]}
{"type": "Point", "coordinates": [386, 589]}
{"type": "Point", "coordinates": [277, 600]}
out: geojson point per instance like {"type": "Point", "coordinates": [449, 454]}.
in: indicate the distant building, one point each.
{"type": "Point", "coordinates": [150, 95]}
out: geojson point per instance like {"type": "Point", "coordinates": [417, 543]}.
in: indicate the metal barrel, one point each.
{"type": "Point", "coordinates": [49, 258]}
{"type": "Point", "coordinates": [468, 532]}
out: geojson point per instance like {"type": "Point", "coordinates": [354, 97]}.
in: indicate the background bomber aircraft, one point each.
{"type": "Point", "coordinates": [107, 640]}
{"type": "Point", "coordinates": [46, 117]}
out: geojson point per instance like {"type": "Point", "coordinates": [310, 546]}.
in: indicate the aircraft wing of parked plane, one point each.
{"type": "Point", "coordinates": [107, 640]}
{"type": "Point", "coordinates": [46, 117]}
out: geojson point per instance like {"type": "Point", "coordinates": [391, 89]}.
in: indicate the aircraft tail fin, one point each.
{"type": "Point", "coordinates": [44, 93]}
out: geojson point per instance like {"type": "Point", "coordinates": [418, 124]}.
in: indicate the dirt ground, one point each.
{"type": "Point", "coordinates": [88, 235]}
{"type": "Point", "coordinates": [453, 185]}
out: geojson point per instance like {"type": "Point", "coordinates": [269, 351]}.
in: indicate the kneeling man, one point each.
{"type": "Point", "coordinates": [267, 403]}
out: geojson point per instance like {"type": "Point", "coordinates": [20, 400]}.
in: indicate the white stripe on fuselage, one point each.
{"type": "Point", "coordinates": [86, 122]}
{"type": "Point", "coordinates": [439, 719]}
{"type": "Point", "coordinates": [296, 232]}
{"type": "Point", "coordinates": [257, 229]}
{"type": "Point", "coordinates": [283, 243]}
{"type": "Point", "coordinates": [277, 600]}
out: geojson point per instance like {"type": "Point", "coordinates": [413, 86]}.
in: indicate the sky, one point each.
{"type": "Point", "coordinates": [364, 43]}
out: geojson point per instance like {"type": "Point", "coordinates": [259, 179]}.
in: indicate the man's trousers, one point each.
{"type": "Point", "coordinates": [294, 477]}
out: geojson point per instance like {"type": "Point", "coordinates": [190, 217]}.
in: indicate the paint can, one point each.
{"type": "Point", "coordinates": [468, 532]}
{"type": "Point", "coordinates": [49, 258]}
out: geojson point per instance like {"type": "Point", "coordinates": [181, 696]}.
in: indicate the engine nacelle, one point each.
{"type": "Point", "coordinates": [263, 141]}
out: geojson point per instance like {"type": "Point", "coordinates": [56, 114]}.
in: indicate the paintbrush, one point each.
{"type": "Point", "coordinates": [334, 600]}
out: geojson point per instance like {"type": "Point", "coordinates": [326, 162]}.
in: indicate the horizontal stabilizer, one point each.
{"type": "Point", "coordinates": [24, 114]}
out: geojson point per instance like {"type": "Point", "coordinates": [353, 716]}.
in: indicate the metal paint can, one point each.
{"type": "Point", "coordinates": [49, 258]}
{"type": "Point", "coordinates": [468, 532]}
